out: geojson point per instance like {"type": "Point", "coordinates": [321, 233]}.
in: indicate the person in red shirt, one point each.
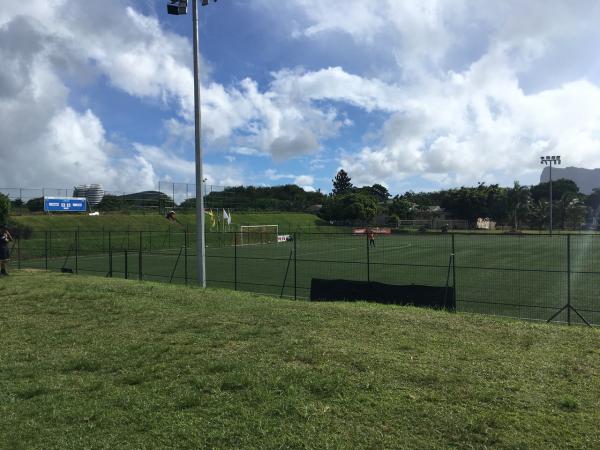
{"type": "Point", "coordinates": [371, 237]}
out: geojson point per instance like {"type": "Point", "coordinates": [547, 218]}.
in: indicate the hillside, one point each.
{"type": "Point", "coordinates": [105, 363]}
{"type": "Point", "coordinates": [586, 179]}
{"type": "Point", "coordinates": [121, 222]}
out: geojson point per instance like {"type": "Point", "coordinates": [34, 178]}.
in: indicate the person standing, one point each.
{"type": "Point", "coordinates": [371, 237]}
{"type": "Point", "coordinates": [5, 238]}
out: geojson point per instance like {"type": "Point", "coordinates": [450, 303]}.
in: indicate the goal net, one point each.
{"type": "Point", "coordinates": [258, 234]}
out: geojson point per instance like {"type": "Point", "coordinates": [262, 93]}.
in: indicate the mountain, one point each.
{"type": "Point", "coordinates": [586, 179]}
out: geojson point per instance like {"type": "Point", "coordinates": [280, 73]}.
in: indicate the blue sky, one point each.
{"type": "Point", "coordinates": [412, 94]}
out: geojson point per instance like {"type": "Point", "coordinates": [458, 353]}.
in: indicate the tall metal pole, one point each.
{"type": "Point", "coordinates": [200, 255]}
{"type": "Point", "coordinates": [551, 198]}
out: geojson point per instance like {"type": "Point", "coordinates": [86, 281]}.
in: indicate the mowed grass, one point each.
{"type": "Point", "coordinates": [98, 363]}
{"type": "Point", "coordinates": [529, 276]}
{"type": "Point", "coordinates": [287, 221]}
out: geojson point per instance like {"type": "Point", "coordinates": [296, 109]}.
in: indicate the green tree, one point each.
{"type": "Point", "coordinates": [466, 203]}
{"type": "Point", "coordinates": [570, 211]}
{"type": "Point", "coordinates": [377, 191]}
{"type": "Point", "coordinates": [4, 208]}
{"type": "Point", "coordinates": [349, 207]}
{"type": "Point", "coordinates": [541, 191]}
{"type": "Point", "coordinates": [576, 214]}
{"type": "Point", "coordinates": [539, 214]}
{"type": "Point", "coordinates": [35, 204]}
{"type": "Point", "coordinates": [110, 203]}
{"type": "Point", "coordinates": [401, 208]}
{"type": "Point", "coordinates": [593, 200]}
{"type": "Point", "coordinates": [341, 183]}
{"type": "Point", "coordinates": [518, 203]}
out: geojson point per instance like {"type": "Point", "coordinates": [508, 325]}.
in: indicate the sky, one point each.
{"type": "Point", "coordinates": [412, 94]}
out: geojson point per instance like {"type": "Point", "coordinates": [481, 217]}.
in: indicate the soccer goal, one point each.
{"type": "Point", "coordinates": [258, 234]}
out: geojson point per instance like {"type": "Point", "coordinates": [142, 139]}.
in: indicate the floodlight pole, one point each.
{"type": "Point", "coordinates": [550, 161]}
{"type": "Point", "coordinates": [200, 247]}
{"type": "Point", "coordinates": [550, 197]}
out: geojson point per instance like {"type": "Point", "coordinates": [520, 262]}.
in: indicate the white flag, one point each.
{"type": "Point", "coordinates": [226, 217]}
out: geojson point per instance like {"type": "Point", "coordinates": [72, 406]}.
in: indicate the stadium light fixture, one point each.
{"type": "Point", "coordinates": [550, 161]}
{"type": "Point", "coordinates": [177, 8]}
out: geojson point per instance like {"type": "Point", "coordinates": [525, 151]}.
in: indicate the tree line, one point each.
{"type": "Point", "coordinates": [515, 206]}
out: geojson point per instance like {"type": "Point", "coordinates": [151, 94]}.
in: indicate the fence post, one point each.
{"type": "Point", "coordinates": [454, 268]}
{"type": "Point", "coordinates": [169, 236]}
{"type": "Point", "coordinates": [235, 261]}
{"type": "Point", "coordinates": [126, 269]}
{"type": "Point", "coordinates": [110, 259]}
{"type": "Point", "coordinates": [77, 251]}
{"type": "Point", "coordinates": [295, 268]}
{"type": "Point", "coordinates": [50, 243]}
{"type": "Point", "coordinates": [18, 252]}
{"type": "Point", "coordinates": [140, 277]}
{"type": "Point", "coordinates": [185, 255]}
{"type": "Point", "coordinates": [569, 279]}
{"type": "Point", "coordinates": [185, 263]}
{"type": "Point", "coordinates": [368, 259]}
{"type": "Point", "coordinates": [46, 248]}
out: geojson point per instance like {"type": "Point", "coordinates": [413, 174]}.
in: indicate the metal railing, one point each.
{"type": "Point", "coordinates": [538, 277]}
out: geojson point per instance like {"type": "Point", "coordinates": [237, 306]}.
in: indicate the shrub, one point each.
{"type": "Point", "coordinates": [4, 208]}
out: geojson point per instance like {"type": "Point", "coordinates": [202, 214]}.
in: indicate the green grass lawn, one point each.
{"type": "Point", "coordinates": [87, 362]}
{"type": "Point", "coordinates": [516, 276]}
{"type": "Point", "coordinates": [287, 221]}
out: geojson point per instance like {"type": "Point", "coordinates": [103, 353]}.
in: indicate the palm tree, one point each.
{"type": "Point", "coordinates": [572, 210]}
{"type": "Point", "coordinates": [539, 214]}
{"type": "Point", "coordinates": [518, 201]}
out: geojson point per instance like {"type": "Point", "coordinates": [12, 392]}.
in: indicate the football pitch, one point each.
{"type": "Point", "coordinates": [525, 276]}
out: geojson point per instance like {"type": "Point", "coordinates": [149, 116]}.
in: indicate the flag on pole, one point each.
{"type": "Point", "coordinates": [226, 217]}
{"type": "Point", "coordinates": [212, 217]}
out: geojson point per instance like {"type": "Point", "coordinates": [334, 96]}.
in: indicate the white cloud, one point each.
{"type": "Point", "coordinates": [480, 125]}
{"type": "Point", "coordinates": [469, 99]}
{"type": "Point", "coordinates": [48, 142]}
{"type": "Point", "coordinates": [183, 170]}
{"type": "Point", "coordinates": [304, 181]}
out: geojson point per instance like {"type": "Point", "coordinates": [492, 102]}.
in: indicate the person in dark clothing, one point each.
{"type": "Point", "coordinates": [5, 238]}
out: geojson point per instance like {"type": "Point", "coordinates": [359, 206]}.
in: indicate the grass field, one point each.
{"type": "Point", "coordinates": [519, 276]}
{"type": "Point", "coordinates": [95, 363]}
{"type": "Point", "coordinates": [155, 222]}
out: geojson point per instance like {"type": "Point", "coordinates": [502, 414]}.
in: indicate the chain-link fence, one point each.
{"type": "Point", "coordinates": [168, 195]}
{"type": "Point", "coordinates": [538, 277]}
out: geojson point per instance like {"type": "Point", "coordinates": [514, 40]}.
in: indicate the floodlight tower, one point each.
{"type": "Point", "coordinates": [550, 161]}
{"type": "Point", "coordinates": [179, 7]}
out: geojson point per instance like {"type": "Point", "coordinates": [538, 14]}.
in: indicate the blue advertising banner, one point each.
{"type": "Point", "coordinates": [71, 204]}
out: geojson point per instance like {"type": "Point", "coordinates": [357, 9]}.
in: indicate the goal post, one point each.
{"type": "Point", "coordinates": [258, 234]}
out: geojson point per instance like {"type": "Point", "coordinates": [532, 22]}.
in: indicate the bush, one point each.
{"type": "Point", "coordinates": [349, 207]}
{"type": "Point", "coordinates": [20, 231]}
{"type": "Point", "coordinates": [35, 204]}
{"type": "Point", "coordinates": [4, 208]}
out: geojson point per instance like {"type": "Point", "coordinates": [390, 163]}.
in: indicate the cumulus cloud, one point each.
{"type": "Point", "coordinates": [477, 92]}
{"type": "Point", "coordinates": [45, 140]}
{"type": "Point", "coordinates": [481, 88]}
{"type": "Point", "coordinates": [481, 125]}
{"type": "Point", "coordinates": [304, 181]}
